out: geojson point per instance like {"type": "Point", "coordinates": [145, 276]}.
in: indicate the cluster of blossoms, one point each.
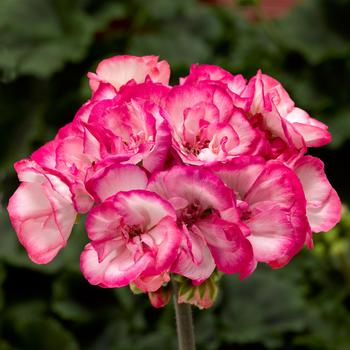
{"type": "Point", "coordinates": [186, 181]}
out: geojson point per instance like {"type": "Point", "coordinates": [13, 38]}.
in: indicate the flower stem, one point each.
{"type": "Point", "coordinates": [184, 323]}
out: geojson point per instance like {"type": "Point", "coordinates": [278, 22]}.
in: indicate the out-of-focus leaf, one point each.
{"type": "Point", "coordinates": [26, 310]}
{"type": "Point", "coordinates": [162, 10]}
{"type": "Point", "coordinates": [37, 37]}
{"type": "Point", "coordinates": [305, 30]}
{"type": "Point", "coordinates": [176, 45]}
{"type": "Point", "coordinates": [181, 45]}
{"type": "Point", "coordinates": [16, 138]}
{"type": "Point", "coordinates": [44, 333]}
{"type": "Point", "coordinates": [69, 310]}
{"type": "Point", "coordinates": [67, 305]}
{"type": "Point", "coordinates": [120, 336]}
{"type": "Point", "coordinates": [125, 298]}
{"type": "Point", "coordinates": [252, 48]}
{"type": "Point", "coordinates": [4, 345]}
{"type": "Point", "coordinates": [50, 41]}
{"type": "Point", "coordinates": [207, 329]}
{"type": "Point", "coordinates": [261, 308]}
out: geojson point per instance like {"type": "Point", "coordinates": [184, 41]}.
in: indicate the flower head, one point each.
{"type": "Point", "coordinates": [206, 125]}
{"type": "Point", "coordinates": [186, 182]}
{"type": "Point", "coordinates": [133, 235]}
{"type": "Point", "coordinates": [208, 218]}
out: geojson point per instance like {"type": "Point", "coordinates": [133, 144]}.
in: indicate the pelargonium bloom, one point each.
{"type": "Point", "coordinates": [276, 113]}
{"type": "Point", "coordinates": [133, 232]}
{"type": "Point", "coordinates": [323, 207]}
{"type": "Point", "coordinates": [214, 75]}
{"type": "Point", "coordinates": [208, 176]}
{"type": "Point", "coordinates": [131, 132]}
{"type": "Point", "coordinates": [53, 191]}
{"type": "Point", "coordinates": [129, 127]}
{"type": "Point", "coordinates": [119, 70]}
{"type": "Point", "coordinates": [41, 211]}
{"type": "Point", "coordinates": [73, 155]}
{"type": "Point", "coordinates": [206, 125]}
{"type": "Point", "coordinates": [272, 206]}
{"type": "Point", "coordinates": [67, 156]}
{"type": "Point", "coordinates": [133, 235]}
{"type": "Point", "coordinates": [207, 214]}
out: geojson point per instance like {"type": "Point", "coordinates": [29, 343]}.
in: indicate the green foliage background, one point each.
{"type": "Point", "coordinates": [46, 48]}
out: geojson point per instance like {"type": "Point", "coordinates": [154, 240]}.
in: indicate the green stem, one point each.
{"type": "Point", "coordinates": [184, 323]}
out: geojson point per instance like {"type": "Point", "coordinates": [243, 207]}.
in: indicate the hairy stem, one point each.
{"type": "Point", "coordinates": [184, 323]}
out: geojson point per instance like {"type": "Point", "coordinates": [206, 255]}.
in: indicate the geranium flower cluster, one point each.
{"type": "Point", "coordinates": [189, 180]}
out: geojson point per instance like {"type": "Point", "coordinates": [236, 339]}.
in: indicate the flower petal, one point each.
{"type": "Point", "coordinates": [313, 131]}
{"type": "Point", "coordinates": [278, 189]}
{"type": "Point", "coordinates": [119, 70]}
{"type": "Point", "coordinates": [272, 235]}
{"type": "Point", "coordinates": [117, 269]}
{"type": "Point", "coordinates": [323, 204]}
{"type": "Point", "coordinates": [197, 267]}
{"type": "Point", "coordinates": [197, 184]}
{"type": "Point", "coordinates": [152, 207]}
{"type": "Point", "coordinates": [152, 283]}
{"type": "Point", "coordinates": [164, 239]}
{"type": "Point", "coordinates": [184, 97]}
{"type": "Point", "coordinates": [231, 251]}
{"type": "Point", "coordinates": [42, 219]}
{"type": "Point", "coordinates": [116, 178]}
{"type": "Point", "coordinates": [239, 173]}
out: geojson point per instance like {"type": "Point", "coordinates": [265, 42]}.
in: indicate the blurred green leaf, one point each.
{"type": "Point", "coordinates": [4, 345]}
{"type": "Point", "coordinates": [278, 307]}
{"type": "Point", "coordinates": [68, 305]}
{"type": "Point", "coordinates": [37, 37]}
{"type": "Point", "coordinates": [33, 329]}
{"type": "Point", "coordinates": [184, 48]}
{"type": "Point", "coordinates": [45, 334]}
{"type": "Point", "coordinates": [305, 30]}
{"type": "Point", "coordinates": [50, 42]}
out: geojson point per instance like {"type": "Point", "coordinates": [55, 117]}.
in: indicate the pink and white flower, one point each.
{"type": "Point", "coordinates": [119, 70]}
{"type": "Point", "coordinates": [70, 155]}
{"type": "Point", "coordinates": [131, 131]}
{"type": "Point", "coordinates": [279, 116]}
{"type": "Point", "coordinates": [209, 174]}
{"type": "Point", "coordinates": [134, 235]}
{"type": "Point", "coordinates": [323, 206]}
{"type": "Point", "coordinates": [272, 206]}
{"type": "Point", "coordinates": [233, 84]}
{"type": "Point", "coordinates": [206, 126]}
{"type": "Point", "coordinates": [41, 211]}
{"type": "Point", "coordinates": [207, 215]}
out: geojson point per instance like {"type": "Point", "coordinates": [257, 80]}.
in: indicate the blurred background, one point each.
{"type": "Point", "coordinates": [46, 49]}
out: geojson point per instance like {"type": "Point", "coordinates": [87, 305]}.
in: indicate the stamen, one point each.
{"type": "Point", "coordinates": [131, 231]}
{"type": "Point", "coordinates": [192, 213]}
{"type": "Point", "coordinates": [196, 148]}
